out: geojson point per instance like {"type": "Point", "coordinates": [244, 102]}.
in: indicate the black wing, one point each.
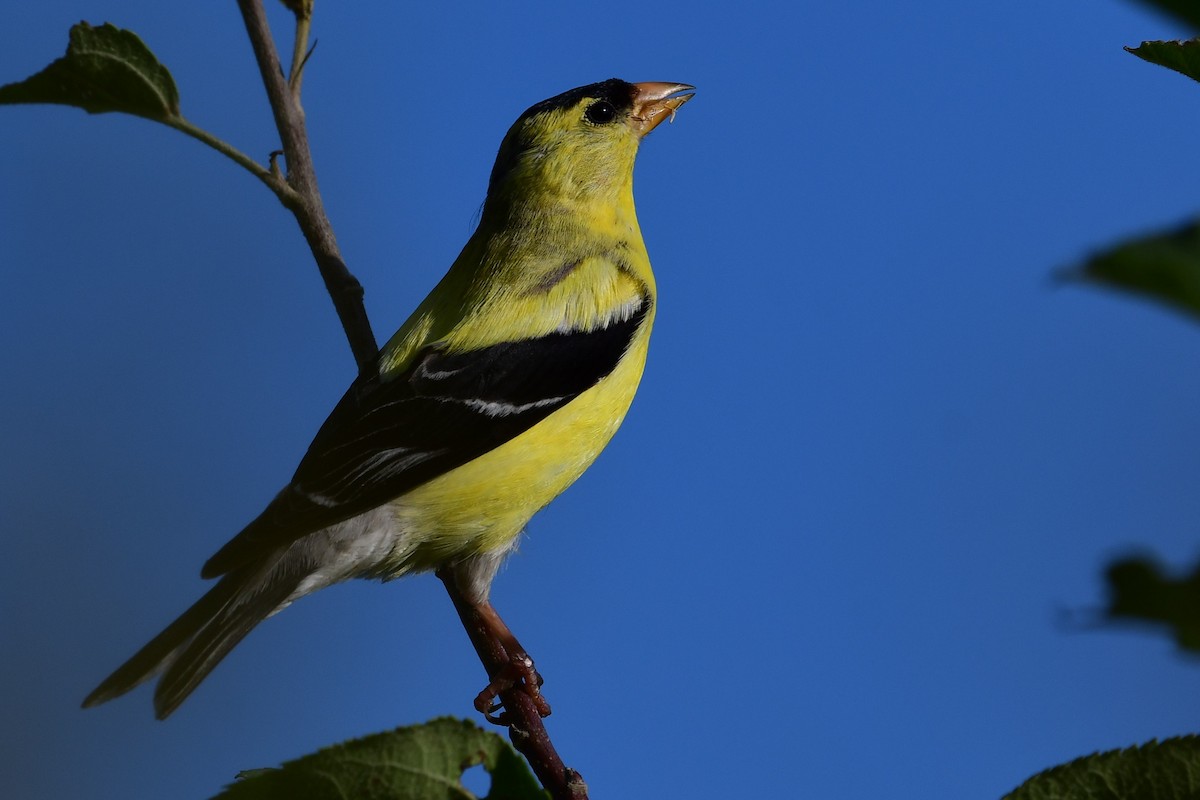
{"type": "Point", "coordinates": [385, 439]}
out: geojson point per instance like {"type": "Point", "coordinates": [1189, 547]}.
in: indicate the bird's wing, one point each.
{"type": "Point", "coordinates": [386, 438]}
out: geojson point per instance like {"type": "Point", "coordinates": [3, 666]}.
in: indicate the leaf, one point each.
{"type": "Point", "coordinates": [1164, 266]}
{"type": "Point", "coordinates": [422, 762]}
{"type": "Point", "coordinates": [105, 69]}
{"type": "Point", "coordinates": [1187, 11]}
{"type": "Point", "coordinates": [1139, 591]}
{"type": "Point", "coordinates": [1183, 57]}
{"type": "Point", "coordinates": [1167, 770]}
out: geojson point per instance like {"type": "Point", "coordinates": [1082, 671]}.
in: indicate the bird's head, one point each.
{"type": "Point", "coordinates": [581, 144]}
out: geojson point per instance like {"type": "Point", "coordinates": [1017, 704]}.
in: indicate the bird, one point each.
{"type": "Point", "coordinates": [496, 394]}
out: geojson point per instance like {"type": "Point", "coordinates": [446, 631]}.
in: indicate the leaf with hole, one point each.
{"type": "Point", "coordinates": [422, 762]}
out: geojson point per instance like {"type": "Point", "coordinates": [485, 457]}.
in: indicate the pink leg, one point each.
{"type": "Point", "coordinates": [508, 664]}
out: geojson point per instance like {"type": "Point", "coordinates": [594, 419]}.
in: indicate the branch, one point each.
{"type": "Point", "coordinates": [525, 727]}
{"type": "Point", "coordinates": [521, 716]}
{"type": "Point", "coordinates": [275, 183]}
{"type": "Point", "coordinates": [344, 289]}
{"type": "Point", "coordinates": [300, 50]}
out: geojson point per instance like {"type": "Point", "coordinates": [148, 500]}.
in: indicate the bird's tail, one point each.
{"type": "Point", "coordinates": [196, 642]}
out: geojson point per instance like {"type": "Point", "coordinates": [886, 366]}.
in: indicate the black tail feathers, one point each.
{"type": "Point", "coordinates": [195, 643]}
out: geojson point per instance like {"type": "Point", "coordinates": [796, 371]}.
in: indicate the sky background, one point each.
{"type": "Point", "coordinates": [876, 454]}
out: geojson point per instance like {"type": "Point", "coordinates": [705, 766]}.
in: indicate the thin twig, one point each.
{"type": "Point", "coordinates": [300, 51]}
{"type": "Point", "coordinates": [270, 177]}
{"type": "Point", "coordinates": [525, 727]}
{"type": "Point", "coordinates": [344, 289]}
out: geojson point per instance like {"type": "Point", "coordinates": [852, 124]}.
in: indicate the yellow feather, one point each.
{"type": "Point", "coordinates": [484, 504]}
{"type": "Point", "coordinates": [558, 251]}
{"type": "Point", "coordinates": [558, 248]}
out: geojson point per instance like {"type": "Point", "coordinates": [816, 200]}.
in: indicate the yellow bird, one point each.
{"type": "Point", "coordinates": [495, 396]}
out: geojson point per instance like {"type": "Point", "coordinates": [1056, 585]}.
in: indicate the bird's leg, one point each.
{"type": "Point", "coordinates": [517, 671]}
{"type": "Point", "coordinates": [508, 664]}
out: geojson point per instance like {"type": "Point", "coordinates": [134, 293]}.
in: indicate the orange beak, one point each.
{"type": "Point", "coordinates": [653, 102]}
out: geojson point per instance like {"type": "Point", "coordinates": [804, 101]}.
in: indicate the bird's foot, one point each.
{"type": "Point", "coordinates": [518, 672]}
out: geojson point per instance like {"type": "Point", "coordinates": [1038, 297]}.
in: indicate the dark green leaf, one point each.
{"type": "Point", "coordinates": [1168, 770]}
{"type": "Point", "coordinates": [1187, 11]}
{"type": "Point", "coordinates": [1183, 57]}
{"type": "Point", "coordinates": [105, 69]}
{"type": "Point", "coordinates": [1140, 592]}
{"type": "Point", "coordinates": [1165, 267]}
{"type": "Point", "coordinates": [422, 762]}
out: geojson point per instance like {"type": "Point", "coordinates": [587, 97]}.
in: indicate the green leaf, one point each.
{"type": "Point", "coordinates": [1168, 770]}
{"type": "Point", "coordinates": [1165, 267]}
{"type": "Point", "coordinates": [105, 69]}
{"type": "Point", "coordinates": [1139, 591]}
{"type": "Point", "coordinates": [1187, 11]}
{"type": "Point", "coordinates": [1183, 57]}
{"type": "Point", "coordinates": [422, 762]}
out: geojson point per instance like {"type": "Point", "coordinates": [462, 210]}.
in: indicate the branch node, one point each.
{"type": "Point", "coordinates": [304, 61]}
{"type": "Point", "coordinates": [575, 784]}
{"type": "Point", "coordinates": [300, 186]}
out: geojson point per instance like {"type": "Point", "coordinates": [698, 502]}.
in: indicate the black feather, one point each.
{"type": "Point", "coordinates": [617, 92]}
{"type": "Point", "coordinates": [193, 644]}
{"type": "Point", "coordinates": [254, 602]}
{"type": "Point", "coordinates": [385, 439]}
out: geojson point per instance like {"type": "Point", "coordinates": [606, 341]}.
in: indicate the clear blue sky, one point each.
{"type": "Point", "coordinates": [876, 451]}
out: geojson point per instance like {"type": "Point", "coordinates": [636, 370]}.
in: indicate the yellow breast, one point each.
{"type": "Point", "coordinates": [485, 504]}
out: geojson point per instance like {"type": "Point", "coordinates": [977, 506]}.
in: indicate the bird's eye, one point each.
{"type": "Point", "coordinates": [600, 112]}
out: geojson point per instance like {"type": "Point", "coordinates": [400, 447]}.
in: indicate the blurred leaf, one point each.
{"type": "Point", "coordinates": [422, 762]}
{"type": "Point", "coordinates": [1187, 11]}
{"type": "Point", "coordinates": [1165, 267]}
{"type": "Point", "coordinates": [1168, 770]}
{"type": "Point", "coordinates": [1139, 591]}
{"type": "Point", "coordinates": [105, 69]}
{"type": "Point", "coordinates": [1183, 57]}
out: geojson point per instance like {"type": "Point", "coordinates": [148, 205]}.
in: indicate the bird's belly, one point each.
{"type": "Point", "coordinates": [484, 505]}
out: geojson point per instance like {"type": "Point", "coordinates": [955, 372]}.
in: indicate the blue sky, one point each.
{"type": "Point", "coordinates": [876, 452]}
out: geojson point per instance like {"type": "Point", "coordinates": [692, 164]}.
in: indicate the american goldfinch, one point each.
{"type": "Point", "coordinates": [492, 398]}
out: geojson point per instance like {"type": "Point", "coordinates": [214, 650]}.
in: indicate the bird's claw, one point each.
{"type": "Point", "coordinates": [518, 672]}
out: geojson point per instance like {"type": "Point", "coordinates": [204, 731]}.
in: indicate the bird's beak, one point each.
{"type": "Point", "coordinates": [653, 102]}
